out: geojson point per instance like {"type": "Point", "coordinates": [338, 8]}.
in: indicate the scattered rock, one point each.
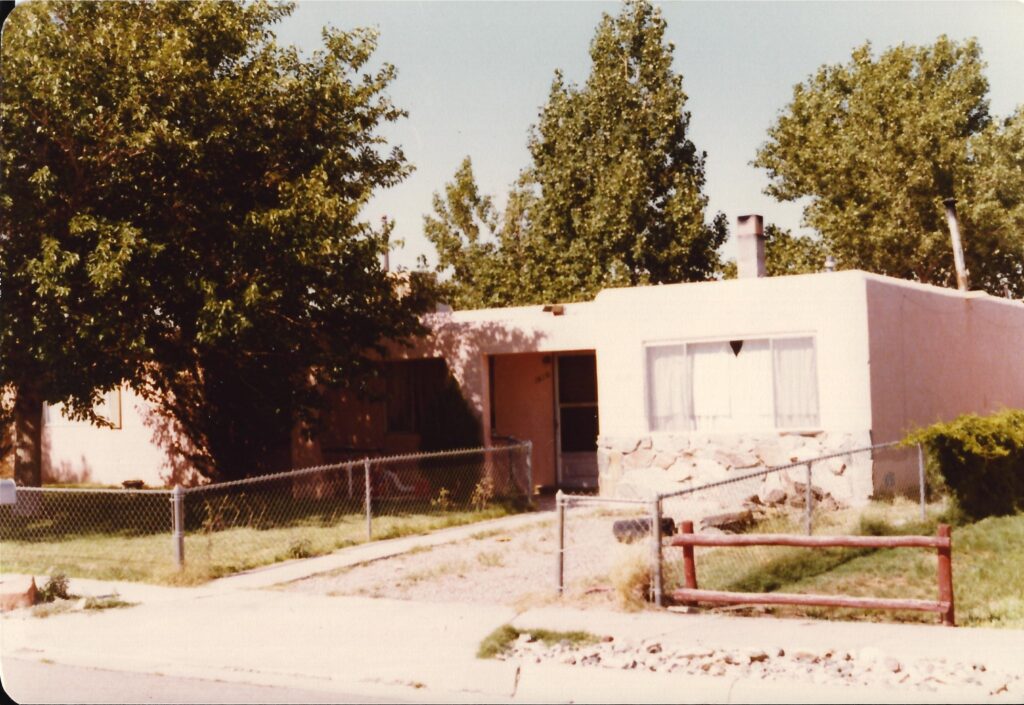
{"type": "Point", "coordinates": [867, 667]}
{"type": "Point", "coordinates": [805, 657]}
{"type": "Point", "coordinates": [775, 497]}
{"type": "Point", "coordinates": [730, 521]}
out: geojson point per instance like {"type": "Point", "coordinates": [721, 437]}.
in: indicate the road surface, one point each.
{"type": "Point", "coordinates": [28, 681]}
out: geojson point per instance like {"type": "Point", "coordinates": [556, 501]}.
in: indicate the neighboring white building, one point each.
{"type": "Point", "coordinates": [660, 387]}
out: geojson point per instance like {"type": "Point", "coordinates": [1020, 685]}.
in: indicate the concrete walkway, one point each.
{"type": "Point", "coordinates": [230, 631]}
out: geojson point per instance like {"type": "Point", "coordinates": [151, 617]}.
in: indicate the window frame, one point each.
{"type": "Point", "coordinates": [54, 416]}
{"type": "Point", "coordinates": [684, 343]}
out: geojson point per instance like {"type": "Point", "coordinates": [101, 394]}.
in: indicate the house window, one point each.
{"type": "Point", "coordinates": [108, 409]}
{"type": "Point", "coordinates": [733, 385]}
{"type": "Point", "coordinates": [412, 389]}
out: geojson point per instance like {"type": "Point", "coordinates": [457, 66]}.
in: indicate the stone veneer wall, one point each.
{"type": "Point", "coordinates": [638, 467]}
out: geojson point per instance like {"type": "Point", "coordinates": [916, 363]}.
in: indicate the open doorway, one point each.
{"type": "Point", "coordinates": [550, 399]}
{"type": "Point", "coordinates": [576, 420]}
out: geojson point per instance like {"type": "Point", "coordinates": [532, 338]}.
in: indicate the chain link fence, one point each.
{"type": "Point", "coordinates": [212, 530]}
{"type": "Point", "coordinates": [99, 530]}
{"type": "Point", "coordinates": [624, 544]}
{"type": "Point", "coordinates": [602, 543]}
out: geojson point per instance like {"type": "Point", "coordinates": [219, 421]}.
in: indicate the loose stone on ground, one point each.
{"type": "Point", "coordinates": [869, 666]}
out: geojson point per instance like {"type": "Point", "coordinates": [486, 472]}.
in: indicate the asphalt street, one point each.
{"type": "Point", "coordinates": [28, 681]}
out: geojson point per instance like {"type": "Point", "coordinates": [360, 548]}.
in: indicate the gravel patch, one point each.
{"type": "Point", "coordinates": [867, 666]}
{"type": "Point", "coordinates": [516, 567]}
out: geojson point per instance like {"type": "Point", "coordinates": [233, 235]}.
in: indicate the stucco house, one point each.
{"type": "Point", "coordinates": [654, 388]}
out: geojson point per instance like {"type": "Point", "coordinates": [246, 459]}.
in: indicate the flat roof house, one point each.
{"type": "Point", "coordinates": [657, 388]}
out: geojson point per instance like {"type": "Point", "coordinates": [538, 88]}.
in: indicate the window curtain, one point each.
{"type": "Point", "coordinates": [796, 383]}
{"type": "Point", "coordinates": [751, 387]}
{"type": "Point", "coordinates": [668, 399]}
{"type": "Point", "coordinates": [711, 395]}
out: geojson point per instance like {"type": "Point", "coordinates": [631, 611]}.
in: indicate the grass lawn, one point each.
{"type": "Point", "coordinates": [209, 555]}
{"type": "Point", "coordinates": [988, 568]}
{"type": "Point", "coordinates": [501, 639]}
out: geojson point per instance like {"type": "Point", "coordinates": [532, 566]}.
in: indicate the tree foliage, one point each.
{"type": "Point", "coordinates": [786, 253]}
{"type": "Point", "coordinates": [181, 211]}
{"type": "Point", "coordinates": [876, 144]}
{"type": "Point", "coordinates": [465, 229]}
{"type": "Point", "coordinates": [614, 193]}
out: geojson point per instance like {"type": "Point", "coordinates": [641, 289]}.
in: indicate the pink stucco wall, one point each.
{"type": "Point", "coordinates": [935, 354]}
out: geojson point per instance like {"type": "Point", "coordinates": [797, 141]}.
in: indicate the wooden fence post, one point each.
{"type": "Point", "coordinates": [689, 565]}
{"type": "Point", "coordinates": [945, 573]}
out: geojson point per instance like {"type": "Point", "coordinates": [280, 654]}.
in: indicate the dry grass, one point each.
{"type": "Point", "coordinates": [988, 567]}
{"type": "Point", "coordinates": [214, 554]}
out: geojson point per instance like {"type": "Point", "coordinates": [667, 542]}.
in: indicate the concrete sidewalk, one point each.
{"type": "Point", "coordinates": [426, 652]}
{"type": "Point", "coordinates": [232, 631]}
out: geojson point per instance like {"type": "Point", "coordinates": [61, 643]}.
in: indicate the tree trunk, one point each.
{"type": "Point", "coordinates": [28, 435]}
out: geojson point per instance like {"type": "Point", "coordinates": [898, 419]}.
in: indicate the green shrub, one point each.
{"type": "Point", "coordinates": [979, 461]}
{"type": "Point", "coordinates": [56, 588]}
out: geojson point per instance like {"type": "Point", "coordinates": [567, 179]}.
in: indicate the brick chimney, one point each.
{"type": "Point", "coordinates": [749, 246]}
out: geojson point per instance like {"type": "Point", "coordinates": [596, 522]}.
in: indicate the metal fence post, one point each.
{"type": "Point", "coordinates": [656, 548]}
{"type": "Point", "coordinates": [178, 525]}
{"type": "Point", "coordinates": [809, 500]}
{"type": "Point", "coordinates": [368, 501]}
{"type": "Point", "coordinates": [529, 472]}
{"type": "Point", "coordinates": [560, 510]}
{"type": "Point", "coordinates": [920, 479]}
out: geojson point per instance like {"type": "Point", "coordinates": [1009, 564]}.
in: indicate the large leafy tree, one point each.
{"type": "Point", "coordinates": [181, 211]}
{"type": "Point", "coordinates": [786, 253]}
{"type": "Point", "coordinates": [614, 194]}
{"type": "Point", "coordinates": [877, 144]}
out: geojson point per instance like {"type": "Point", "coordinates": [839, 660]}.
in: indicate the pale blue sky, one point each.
{"type": "Point", "coordinates": [473, 77]}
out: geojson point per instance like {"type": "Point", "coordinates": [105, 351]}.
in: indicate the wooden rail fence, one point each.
{"type": "Point", "coordinates": [942, 542]}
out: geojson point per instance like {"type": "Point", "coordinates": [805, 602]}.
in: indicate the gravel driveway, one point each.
{"type": "Point", "coordinates": [516, 567]}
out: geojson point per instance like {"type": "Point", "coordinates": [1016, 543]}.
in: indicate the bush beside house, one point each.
{"type": "Point", "coordinates": [979, 460]}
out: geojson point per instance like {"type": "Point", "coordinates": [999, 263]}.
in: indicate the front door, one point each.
{"type": "Point", "coordinates": [576, 419]}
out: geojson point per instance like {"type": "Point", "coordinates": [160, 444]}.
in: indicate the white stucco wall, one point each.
{"type": "Point", "coordinates": [829, 307]}
{"type": "Point", "coordinates": [80, 452]}
{"type": "Point", "coordinates": [618, 325]}
{"type": "Point", "coordinates": [890, 355]}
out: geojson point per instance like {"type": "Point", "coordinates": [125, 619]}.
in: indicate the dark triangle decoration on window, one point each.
{"type": "Point", "coordinates": [736, 346]}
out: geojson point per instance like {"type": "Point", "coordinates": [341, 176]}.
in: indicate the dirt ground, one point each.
{"type": "Point", "coordinates": [517, 567]}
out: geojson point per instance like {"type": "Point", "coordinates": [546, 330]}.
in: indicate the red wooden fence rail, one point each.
{"type": "Point", "coordinates": [942, 542]}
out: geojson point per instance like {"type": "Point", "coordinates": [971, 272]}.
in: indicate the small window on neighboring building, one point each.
{"type": "Point", "coordinates": [733, 385]}
{"type": "Point", "coordinates": [108, 409]}
{"type": "Point", "coordinates": [412, 388]}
